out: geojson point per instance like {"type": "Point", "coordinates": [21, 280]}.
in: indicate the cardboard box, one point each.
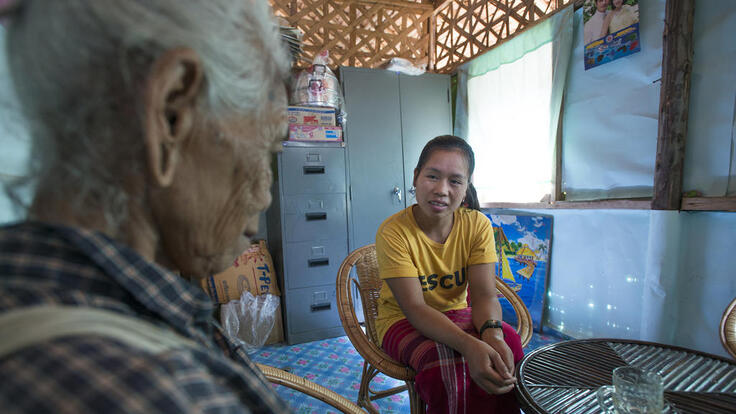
{"type": "Point", "coordinates": [299, 132]}
{"type": "Point", "coordinates": [252, 271]}
{"type": "Point", "coordinates": [310, 115]}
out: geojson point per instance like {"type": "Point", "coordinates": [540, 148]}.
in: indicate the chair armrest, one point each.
{"type": "Point", "coordinates": [524, 319]}
{"type": "Point", "coordinates": [287, 379]}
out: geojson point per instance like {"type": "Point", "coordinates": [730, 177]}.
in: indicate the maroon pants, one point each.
{"type": "Point", "coordinates": [443, 379]}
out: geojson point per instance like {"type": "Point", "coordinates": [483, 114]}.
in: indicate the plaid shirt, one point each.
{"type": "Point", "coordinates": [44, 264]}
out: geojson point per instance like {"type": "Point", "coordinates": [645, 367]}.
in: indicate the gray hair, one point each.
{"type": "Point", "coordinates": [78, 67]}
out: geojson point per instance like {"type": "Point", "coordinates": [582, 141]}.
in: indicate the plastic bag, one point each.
{"type": "Point", "coordinates": [250, 319]}
{"type": "Point", "coordinates": [318, 86]}
{"type": "Point", "coordinates": [402, 65]}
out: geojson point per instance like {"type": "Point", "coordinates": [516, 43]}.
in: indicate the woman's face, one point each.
{"type": "Point", "coordinates": [617, 4]}
{"type": "Point", "coordinates": [441, 183]}
{"type": "Point", "coordinates": [223, 183]}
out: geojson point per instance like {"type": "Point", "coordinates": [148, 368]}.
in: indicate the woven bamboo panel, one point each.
{"type": "Point", "coordinates": [367, 33]}
{"type": "Point", "coordinates": [357, 32]}
{"type": "Point", "coordinates": [467, 28]}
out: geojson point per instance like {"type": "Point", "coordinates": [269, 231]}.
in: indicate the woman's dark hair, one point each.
{"type": "Point", "coordinates": [453, 143]}
{"type": "Point", "coordinates": [471, 198]}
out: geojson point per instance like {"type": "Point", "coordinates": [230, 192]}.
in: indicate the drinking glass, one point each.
{"type": "Point", "coordinates": [634, 391]}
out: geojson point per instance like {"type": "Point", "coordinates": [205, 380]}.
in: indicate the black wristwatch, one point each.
{"type": "Point", "coordinates": [491, 323]}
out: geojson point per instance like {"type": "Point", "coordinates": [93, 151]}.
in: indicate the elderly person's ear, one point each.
{"type": "Point", "coordinates": [172, 88]}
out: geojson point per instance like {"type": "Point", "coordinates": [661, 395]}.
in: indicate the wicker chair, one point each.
{"type": "Point", "coordinates": [366, 341]}
{"type": "Point", "coordinates": [728, 328]}
{"type": "Point", "coordinates": [319, 392]}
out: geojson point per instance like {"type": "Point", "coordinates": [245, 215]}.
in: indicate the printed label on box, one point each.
{"type": "Point", "coordinates": [308, 115]}
{"type": "Point", "coordinates": [299, 132]}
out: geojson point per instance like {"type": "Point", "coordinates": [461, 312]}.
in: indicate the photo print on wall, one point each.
{"type": "Point", "coordinates": [610, 30]}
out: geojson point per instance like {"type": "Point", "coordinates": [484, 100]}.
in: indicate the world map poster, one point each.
{"type": "Point", "coordinates": [523, 244]}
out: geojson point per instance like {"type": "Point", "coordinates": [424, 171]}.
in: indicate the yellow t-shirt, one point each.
{"type": "Point", "coordinates": [403, 250]}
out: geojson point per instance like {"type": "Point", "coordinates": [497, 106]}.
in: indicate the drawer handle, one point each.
{"type": "Point", "coordinates": [319, 262]}
{"type": "Point", "coordinates": [321, 306]}
{"type": "Point", "coordinates": [315, 216]}
{"type": "Point", "coordinates": [314, 169]}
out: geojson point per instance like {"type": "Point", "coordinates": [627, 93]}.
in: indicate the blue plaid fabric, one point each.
{"type": "Point", "coordinates": [48, 264]}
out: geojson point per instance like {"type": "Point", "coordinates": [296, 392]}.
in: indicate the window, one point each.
{"type": "Point", "coordinates": [511, 110]}
{"type": "Point", "coordinates": [509, 129]}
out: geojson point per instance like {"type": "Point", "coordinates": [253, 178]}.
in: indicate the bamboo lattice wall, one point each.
{"type": "Point", "coordinates": [367, 33]}
{"type": "Point", "coordinates": [467, 28]}
{"type": "Point", "coordinates": [359, 33]}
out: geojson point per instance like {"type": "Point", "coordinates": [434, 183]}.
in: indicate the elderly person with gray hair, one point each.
{"type": "Point", "coordinates": [152, 125]}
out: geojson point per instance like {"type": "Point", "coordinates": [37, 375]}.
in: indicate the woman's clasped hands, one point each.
{"type": "Point", "coordinates": [491, 363]}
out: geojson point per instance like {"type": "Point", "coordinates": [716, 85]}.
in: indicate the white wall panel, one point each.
{"type": "Point", "coordinates": [597, 272]}
{"type": "Point", "coordinates": [709, 148]}
{"type": "Point", "coordinates": [707, 278]}
{"type": "Point", "coordinates": [610, 117]}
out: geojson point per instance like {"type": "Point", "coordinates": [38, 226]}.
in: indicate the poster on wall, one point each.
{"type": "Point", "coordinates": [610, 30]}
{"type": "Point", "coordinates": [523, 243]}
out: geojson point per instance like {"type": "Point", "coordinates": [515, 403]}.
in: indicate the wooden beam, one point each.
{"type": "Point", "coordinates": [709, 203]}
{"type": "Point", "coordinates": [431, 50]}
{"type": "Point", "coordinates": [633, 204]}
{"type": "Point", "coordinates": [353, 38]}
{"type": "Point", "coordinates": [677, 57]}
{"type": "Point", "coordinates": [557, 193]}
{"type": "Point", "coordinates": [688, 203]}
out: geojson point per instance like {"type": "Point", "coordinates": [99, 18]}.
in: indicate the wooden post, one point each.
{"type": "Point", "coordinates": [432, 27]}
{"type": "Point", "coordinates": [674, 98]}
{"type": "Point", "coordinates": [353, 37]}
{"type": "Point", "coordinates": [324, 29]}
{"type": "Point", "coordinates": [557, 193]}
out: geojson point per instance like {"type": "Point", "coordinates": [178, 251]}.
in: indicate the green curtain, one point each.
{"type": "Point", "coordinates": [557, 28]}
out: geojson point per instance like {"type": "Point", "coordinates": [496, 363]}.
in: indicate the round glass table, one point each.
{"type": "Point", "coordinates": [564, 377]}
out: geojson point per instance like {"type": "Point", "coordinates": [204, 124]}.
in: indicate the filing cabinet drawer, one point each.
{"type": "Point", "coordinates": [313, 263]}
{"type": "Point", "coordinates": [313, 170]}
{"type": "Point", "coordinates": [315, 217]}
{"type": "Point", "coordinates": [312, 308]}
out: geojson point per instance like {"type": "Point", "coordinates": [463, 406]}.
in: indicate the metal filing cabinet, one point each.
{"type": "Point", "coordinates": [308, 236]}
{"type": "Point", "coordinates": [392, 116]}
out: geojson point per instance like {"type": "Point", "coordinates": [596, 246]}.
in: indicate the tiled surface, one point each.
{"type": "Point", "coordinates": [335, 364]}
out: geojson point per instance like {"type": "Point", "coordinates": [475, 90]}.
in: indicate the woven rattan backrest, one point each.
{"type": "Point", "coordinates": [728, 328]}
{"type": "Point", "coordinates": [362, 261]}
{"type": "Point", "coordinates": [370, 287]}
